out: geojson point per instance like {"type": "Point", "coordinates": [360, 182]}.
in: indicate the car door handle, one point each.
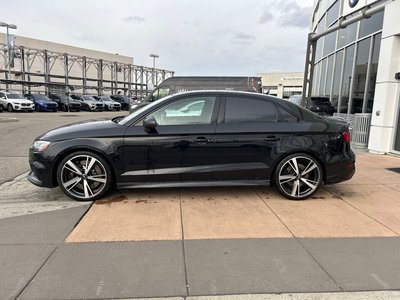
{"type": "Point", "coordinates": [271, 138]}
{"type": "Point", "coordinates": [201, 140]}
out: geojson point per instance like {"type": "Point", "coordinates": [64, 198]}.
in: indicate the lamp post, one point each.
{"type": "Point", "coordinates": [154, 56]}
{"type": "Point", "coordinates": [8, 26]}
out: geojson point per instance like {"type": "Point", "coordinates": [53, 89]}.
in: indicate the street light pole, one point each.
{"type": "Point", "coordinates": [8, 26]}
{"type": "Point", "coordinates": [154, 56]}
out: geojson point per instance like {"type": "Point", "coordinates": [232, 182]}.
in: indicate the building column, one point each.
{"type": "Point", "coordinates": [386, 101]}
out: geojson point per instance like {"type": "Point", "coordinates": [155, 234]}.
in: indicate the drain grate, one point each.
{"type": "Point", "coordinates": [397, 170]}
{"type": "Point", "coordinates": [69, 116]}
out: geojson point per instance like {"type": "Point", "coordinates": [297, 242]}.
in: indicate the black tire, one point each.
{"type": "Point", "coordinates": [80, 183]}
{"type": "Point", "coordinates": [37, 108]}
{"type": "Point", "coordinates": [298, 176]}
{"type": "Point", "coordinates": [10, 108]}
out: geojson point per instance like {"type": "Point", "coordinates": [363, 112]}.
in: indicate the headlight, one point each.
{"type": "Point", "coordinates": [40, 146]}
{"type": "Point", "coordinates": [17, 103]}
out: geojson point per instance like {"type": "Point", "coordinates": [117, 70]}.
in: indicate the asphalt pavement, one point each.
{"type": "Point", "coordinates": [212, 243]}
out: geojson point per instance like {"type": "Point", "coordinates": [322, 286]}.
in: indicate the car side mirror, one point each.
{"type": "Point", "coordinates": [150, 123]}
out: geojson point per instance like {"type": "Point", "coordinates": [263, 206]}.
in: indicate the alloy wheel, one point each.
{"type": "Point", "coordinates": [9, 108]}
{"type": "Point", "coordinates": [84, 177]}
{"type": "Point", "coordinates": [298, 177]}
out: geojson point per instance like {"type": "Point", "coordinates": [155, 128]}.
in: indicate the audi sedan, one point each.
{"type": "Point", "coordinates": [230, 138]}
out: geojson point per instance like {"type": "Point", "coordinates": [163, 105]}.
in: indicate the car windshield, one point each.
{"type": "Point", "coordinates": [130, 117]}
{"type": "Point", "coordinates": [15, 96]}
{"type": "Point", "coordinates": [66, 98]}
{"type": "Point", "coordinates": [41, 97]}
{"type": "Point", "coordinates": [90, 98]}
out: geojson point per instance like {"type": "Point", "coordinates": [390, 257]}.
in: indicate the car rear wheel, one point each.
{"type": "Point", "coordinates": [84, 176]}
{"type": "Point", "coordinates": [298, 176]}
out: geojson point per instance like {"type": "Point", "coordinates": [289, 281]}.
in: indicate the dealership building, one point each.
{"type": "Point", "coordinates": [353, 58]}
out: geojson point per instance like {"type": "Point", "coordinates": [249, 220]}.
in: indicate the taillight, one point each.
{"type": "Point", "coordinates": [346, 136]}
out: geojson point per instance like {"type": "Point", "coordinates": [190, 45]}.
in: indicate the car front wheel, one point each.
{"type": "Point", "coordinates": [84, 176]}
{"type": "Point", "coordinates": [298, 176]}
{"type": "Point", "coordinates": [10, 108]}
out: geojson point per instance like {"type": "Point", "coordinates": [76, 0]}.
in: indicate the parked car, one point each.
{"type": "Point", "coordinates": [42, 102]}
{"type": "Point", "coordinates": [296, 99]}
{"type": "Point", "coordinates": [15, 101]}
{"type": "Point", "coordinates": [125, 101]}
{"type": "Point", "coordinates": [109, 104]}
{"type": "Point", "coordinates": [322, 106]}
{"type": "Point", "coordinates": [66, 103]}
{"type": "Point", "coordinates": [237, 139]}
{"type": "Point", "coordinates": [90, 104]}
{"type": "Point", "coordinates": [319, 105]}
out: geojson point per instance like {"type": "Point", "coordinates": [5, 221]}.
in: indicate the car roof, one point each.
{"type": "Point", "coordinates": [10, 92]}
{"type": "Point", "coordinates": [228, 93]}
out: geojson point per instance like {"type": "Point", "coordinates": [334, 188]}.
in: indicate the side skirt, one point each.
{"type": "Point", "coordinates": [130, 185]}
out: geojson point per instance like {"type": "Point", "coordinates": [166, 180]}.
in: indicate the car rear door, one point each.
{"type": "Point", "coordinates": [247, 137]}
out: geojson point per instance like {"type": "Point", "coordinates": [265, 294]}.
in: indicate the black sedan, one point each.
{"type": "Point", "coordinates": [205, 138]}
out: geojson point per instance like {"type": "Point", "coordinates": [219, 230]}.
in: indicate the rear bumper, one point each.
{"type": "Point", "coordinates": [341, 170]}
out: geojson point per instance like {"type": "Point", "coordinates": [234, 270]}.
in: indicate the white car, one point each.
{"type": "Point", "coordinates": [15, 101]}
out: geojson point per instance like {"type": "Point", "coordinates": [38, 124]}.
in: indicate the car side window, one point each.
{"type": "Point", "coordinates": [245, 109]}
{"type": "Point", "coordinates": [187, 111]}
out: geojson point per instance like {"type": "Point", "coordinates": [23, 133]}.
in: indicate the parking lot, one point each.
{"type": "Point", "coordinates": [192, 241]}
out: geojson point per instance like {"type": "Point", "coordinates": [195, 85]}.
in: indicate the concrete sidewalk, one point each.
{"type": "Point", "coordinates": [247, 243]}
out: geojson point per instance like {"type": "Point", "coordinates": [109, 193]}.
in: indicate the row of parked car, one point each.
{"type": "Point", "coordinates": [13, 101]}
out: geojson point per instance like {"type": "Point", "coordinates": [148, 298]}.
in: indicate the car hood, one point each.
{"type": "Point", "coordinates": [20, 101]}
{"type": "Point", "coordinates": [45, 101]}
{"type": "Point", "coordinates": [111, 102]}
{"type": "Point", "coordinates": [91, 102]}
{"type": "Point", "coordinates": [82, 130]}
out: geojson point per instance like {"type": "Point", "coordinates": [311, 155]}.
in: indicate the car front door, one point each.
{"type": "Point", "coordinates": [247, 136]}
{"type": "Point", "coordinates": [179, 148]}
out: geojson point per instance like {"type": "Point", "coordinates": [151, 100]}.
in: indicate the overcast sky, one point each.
{"type": "Point", "coordinates": [192, 37]}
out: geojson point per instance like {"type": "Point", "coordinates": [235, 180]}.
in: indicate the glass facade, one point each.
{"type": "Point", "coordinates": [346, 60]}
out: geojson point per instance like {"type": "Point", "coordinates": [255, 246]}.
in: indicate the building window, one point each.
{"type": "Point", "coordinates": [316, 78]}
{"type": "Point", "coordinates": [337, 78]}
{"type": "Point", "coordinates": [329, 73]}
{"type": "Point", "coordinates": [360, 75]}
{"type": "Point", "coordinates": [332, 14]}
{"type": "Point", "coordinates": [371, 25]}
{"type": "Point", "coordinates": [330, 43]}
{"type": "Point", "coordinates": [347, 35]}
{"type": "Point", "coordinates": [322, 78]}
{"type": "Point", "coordinates": [373, 71]}
{"type": "Point", "coordinates": [346, 80]}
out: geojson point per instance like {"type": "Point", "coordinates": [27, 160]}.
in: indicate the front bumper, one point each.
{"type": "Point", "coordinates": [41, 173]}
{"type": "Point", "coordinates": [20, 107]}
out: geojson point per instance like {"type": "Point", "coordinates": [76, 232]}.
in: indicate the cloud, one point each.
{"type": "Point", "coordinates": [266, 17]}
{"type": "Point", "coordinates": [296, 15]}
{"type": "Point", "coordinates": [243, 39]}
{"type": "Point", "coordinates": [134, 19]}
{"type": "Point", "coordinates": [289, 13]}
